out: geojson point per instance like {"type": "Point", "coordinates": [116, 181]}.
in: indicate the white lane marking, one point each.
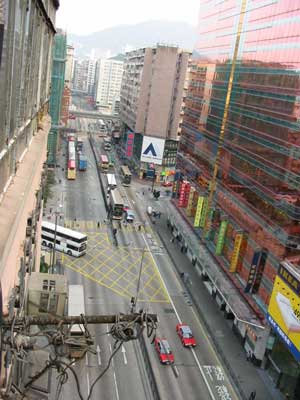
{"type": "Point", "coordinates": [86, 359]}
{"type": "Point", "coordinates": [179, 320]}
{"type": "Point", "coordinates": [116, 386]}
{"type": "Point", "coordinates": [124, 354]}
{"type": "Point", "coordinates": [88, 383]}
{"type": "Point", "coordinates": [98, 354]}
{"type": "Point", "coordinates": [114, 374]}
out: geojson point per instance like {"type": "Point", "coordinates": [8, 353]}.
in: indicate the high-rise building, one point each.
{"type": "Point", "coordinates": [108, 82]}
{"type": "Point", "coordinates": [240, 152]}
{"type": "Point", "coordinates": [26, 37]}
{"type": "Point", "coordinates": [84, 76]}
{"type": "Point", "coordinates": [69, 65]}
{"type": "Point", "coordinates": [152, 93]}
{"type": "Point", "coordinates": [57, 89]}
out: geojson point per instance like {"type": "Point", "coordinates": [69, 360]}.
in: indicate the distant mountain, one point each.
{"type": "Point", "coordinates": [122, 38]}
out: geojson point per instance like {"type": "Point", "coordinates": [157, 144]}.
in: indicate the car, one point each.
{"type": "Point", "coordinates": [164, 351]}
{"type": "Point", "coordinates": [166, 184]}
{"type": "Point", "coordinates": [130, 215]}
{"type": "Point", "coordinates": [186, 335]}
{"type": "Point", "coordinates": [126, 207]}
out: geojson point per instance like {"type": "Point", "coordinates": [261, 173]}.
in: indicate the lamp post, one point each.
{"type": "Point", "coordinates": [54, 244]}
{"type": "Point", "coordinates": [153, 180]}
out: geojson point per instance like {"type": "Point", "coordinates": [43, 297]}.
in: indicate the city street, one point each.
{"type": "Point", "coordinates": [110, 278]}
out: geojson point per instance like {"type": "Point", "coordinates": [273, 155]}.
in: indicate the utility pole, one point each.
{"type": "Point", "coordinates": [54, 244]}
{"type": "Point", "coordinates": [18, 322]}
{"type": "Point", "coordinates": [138, 282]}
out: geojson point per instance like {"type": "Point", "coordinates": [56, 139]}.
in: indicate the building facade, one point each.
{"type": "Point", "coordinates": [26, 36]}
{"type": "Point", "coordinates": [239, 156]}
{"type": "Point", "coordinates": [69, 66]}
{"type": "Point", "coordinates": [84, 76]}
{"type": "Point", "coordinates": [57, 91]}
{"type": "Point", "coordinates": [108, 82]}
{"type": "Point", "coordinates": [153, 89]}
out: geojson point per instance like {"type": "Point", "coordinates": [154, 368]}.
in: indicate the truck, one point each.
{"type": "Point", "coordinates": [82, 162]}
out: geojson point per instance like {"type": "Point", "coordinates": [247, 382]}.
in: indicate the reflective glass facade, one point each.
{"type": "Point", "coordinates": [242, 108]}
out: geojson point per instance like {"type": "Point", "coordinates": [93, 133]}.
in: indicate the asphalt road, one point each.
{"type": "Point", "coordinates": [110, 279]}
{"type": "Point", "coordinates": [81, 201]}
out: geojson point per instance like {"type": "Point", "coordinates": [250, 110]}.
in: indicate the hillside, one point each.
{"type": "Point", "coordinates": [122, 38]}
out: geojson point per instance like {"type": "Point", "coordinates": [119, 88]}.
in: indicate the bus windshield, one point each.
{"type": "Point", "coordinates": [65, 240]}
{"type": "Point", "coordinates": [125, 175]}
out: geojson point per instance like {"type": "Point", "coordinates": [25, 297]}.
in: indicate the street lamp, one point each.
{"type": "Point", "coordinates": [57, 213]}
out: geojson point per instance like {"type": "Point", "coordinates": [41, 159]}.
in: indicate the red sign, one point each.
{"type": "Point", "coordinates": [184, 192]}
{"type": "Point", "coordinates": [129, 144]}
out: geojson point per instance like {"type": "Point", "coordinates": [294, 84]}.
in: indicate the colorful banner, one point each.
{"type": "Point", "coordinates": [253, 269]}
{"type": "Point", "coordinates": [204, 213]}
{"type": "Point", "coordinates": [283, 312]}
{"type": "Point", "coordinates": [190, 202]}
{"type": "Point", "coordinates": [129, 144]}
{"type": "Point", "coordinates": [221, 237]}
{"type": "Point", "coordinates": [198, 211]}
{"type": "Point", "coordinates": [236, 252]}
{"type": "Point", "coordinates": [184, 192]}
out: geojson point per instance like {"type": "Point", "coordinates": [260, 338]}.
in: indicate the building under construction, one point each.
{"type": "Point", "coordinates": [238, 166]}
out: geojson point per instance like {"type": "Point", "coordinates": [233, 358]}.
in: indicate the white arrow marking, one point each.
{"type": "Point", "coordinates": [124, 354]}
{"type": "Point", "coordinates": [98, 354]}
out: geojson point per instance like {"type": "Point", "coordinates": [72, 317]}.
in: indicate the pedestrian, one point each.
{"type": "Point", "coordinates": [143, 193]}
{"type": "Point", "coordinates": [140, 227]}
{"type": "Point", "coordinates": [249, 355]}
{"type": "Point", "coordinates": [287, 396]}
{"type": "Point", "coordinates": [252, 395]}
{"type": "Point", "coordinates": [98, 224]}
{"type": "Point", "coordinates": [159, 214]}
{"type": "Point", "coordinates": [172, 239]}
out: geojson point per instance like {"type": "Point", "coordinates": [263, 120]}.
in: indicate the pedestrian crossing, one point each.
{"type": "Point", "coordinates": [96, 226]}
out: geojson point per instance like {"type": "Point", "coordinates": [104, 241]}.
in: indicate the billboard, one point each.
{"type": "Point", "coordinates": [283, 312]}
{"type": "Point", "coordinates": [198, 211]}
{"type": "Point", "coordinates": [221, 237]}
{"type": "Point", "coordinates": [129, 144]}
{"type": "Point", "coordinates": [236, 252]}
{"type": "Point", "coordinates": [152, 150]}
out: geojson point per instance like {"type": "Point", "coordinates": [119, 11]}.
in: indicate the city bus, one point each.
{"type": "Point", "coordinates": [66, 240]}
{"type": "Point", "coordinates": [76, 307]}
{"type": "Point", "coordinates": [104, 163]}
{"type": "Point", "coordinates": [71, 170]}
{"type": "Point", "coordinates": [125, 175]}
{"type": "Point", "coordinates": [116, 204]}
{"type": "Point", "coordinates": [111, 181]}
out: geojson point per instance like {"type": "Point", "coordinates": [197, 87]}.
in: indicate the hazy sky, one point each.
{"type": "Point", "coordinates": [83, 17]}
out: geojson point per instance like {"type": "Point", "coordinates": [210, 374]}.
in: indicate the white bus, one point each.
{"type": "Point", "coordinates": [76, 307]}
{"type": "Point", "coordinates": [111, 181]}
{"type": "Point", "coordinates": [116, 204]}
{"type": "Point", "coordinates": [66, 240]}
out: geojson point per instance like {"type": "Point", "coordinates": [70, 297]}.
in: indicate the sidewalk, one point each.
{"type": "Point", "coordinates": [245, 375]}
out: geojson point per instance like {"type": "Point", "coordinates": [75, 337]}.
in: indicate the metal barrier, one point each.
{"type": "Point", "coordinates": [148, 367]}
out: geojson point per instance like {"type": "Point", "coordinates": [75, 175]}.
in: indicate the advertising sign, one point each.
{"type": "Point", "coordinates": [204, 212]}
{"type": "Point", "coordinates": [221, 237]}
{"type": "Point", "coordinates": [252, 272]}
{"type": "Point", "coordinates": [283, 312]}
{"type": "Point", "coordinates": [152, 150]}
{"type": "Point", "coordinates": [198, 211]}
{"type": "Point", "coordinates": [129, 144]}
{"type": "Point", "coordinates": [184, 192]}
{"type": "Point", "coordinates": [190, 202]}
{"type": "Point", "coordinates": [236, 251]}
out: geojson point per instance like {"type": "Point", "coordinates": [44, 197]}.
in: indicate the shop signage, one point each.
{"type": "Point", "coordinates": [129, 144]}
{"type": "Point", "coordinates": [204, 213]}
{"type": "Point", "coordinates": [236, 252]}
{"type": "Point", "coordinates": [184, 192]}
{"type": "Point", "coordinates": [198, 211]}
{"type": "Point", "coordinates": [190, 202]}
{"type": "Point", "coordinates": [221, 237]}
{"type": "Point", "coordinates": [283, 312]}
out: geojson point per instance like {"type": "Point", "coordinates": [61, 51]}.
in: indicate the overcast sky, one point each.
{"type": "Point", "coordinates": [84, 17]}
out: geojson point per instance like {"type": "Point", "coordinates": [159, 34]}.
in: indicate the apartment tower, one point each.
{"type": "Point", "coordinates": [152, 95]}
